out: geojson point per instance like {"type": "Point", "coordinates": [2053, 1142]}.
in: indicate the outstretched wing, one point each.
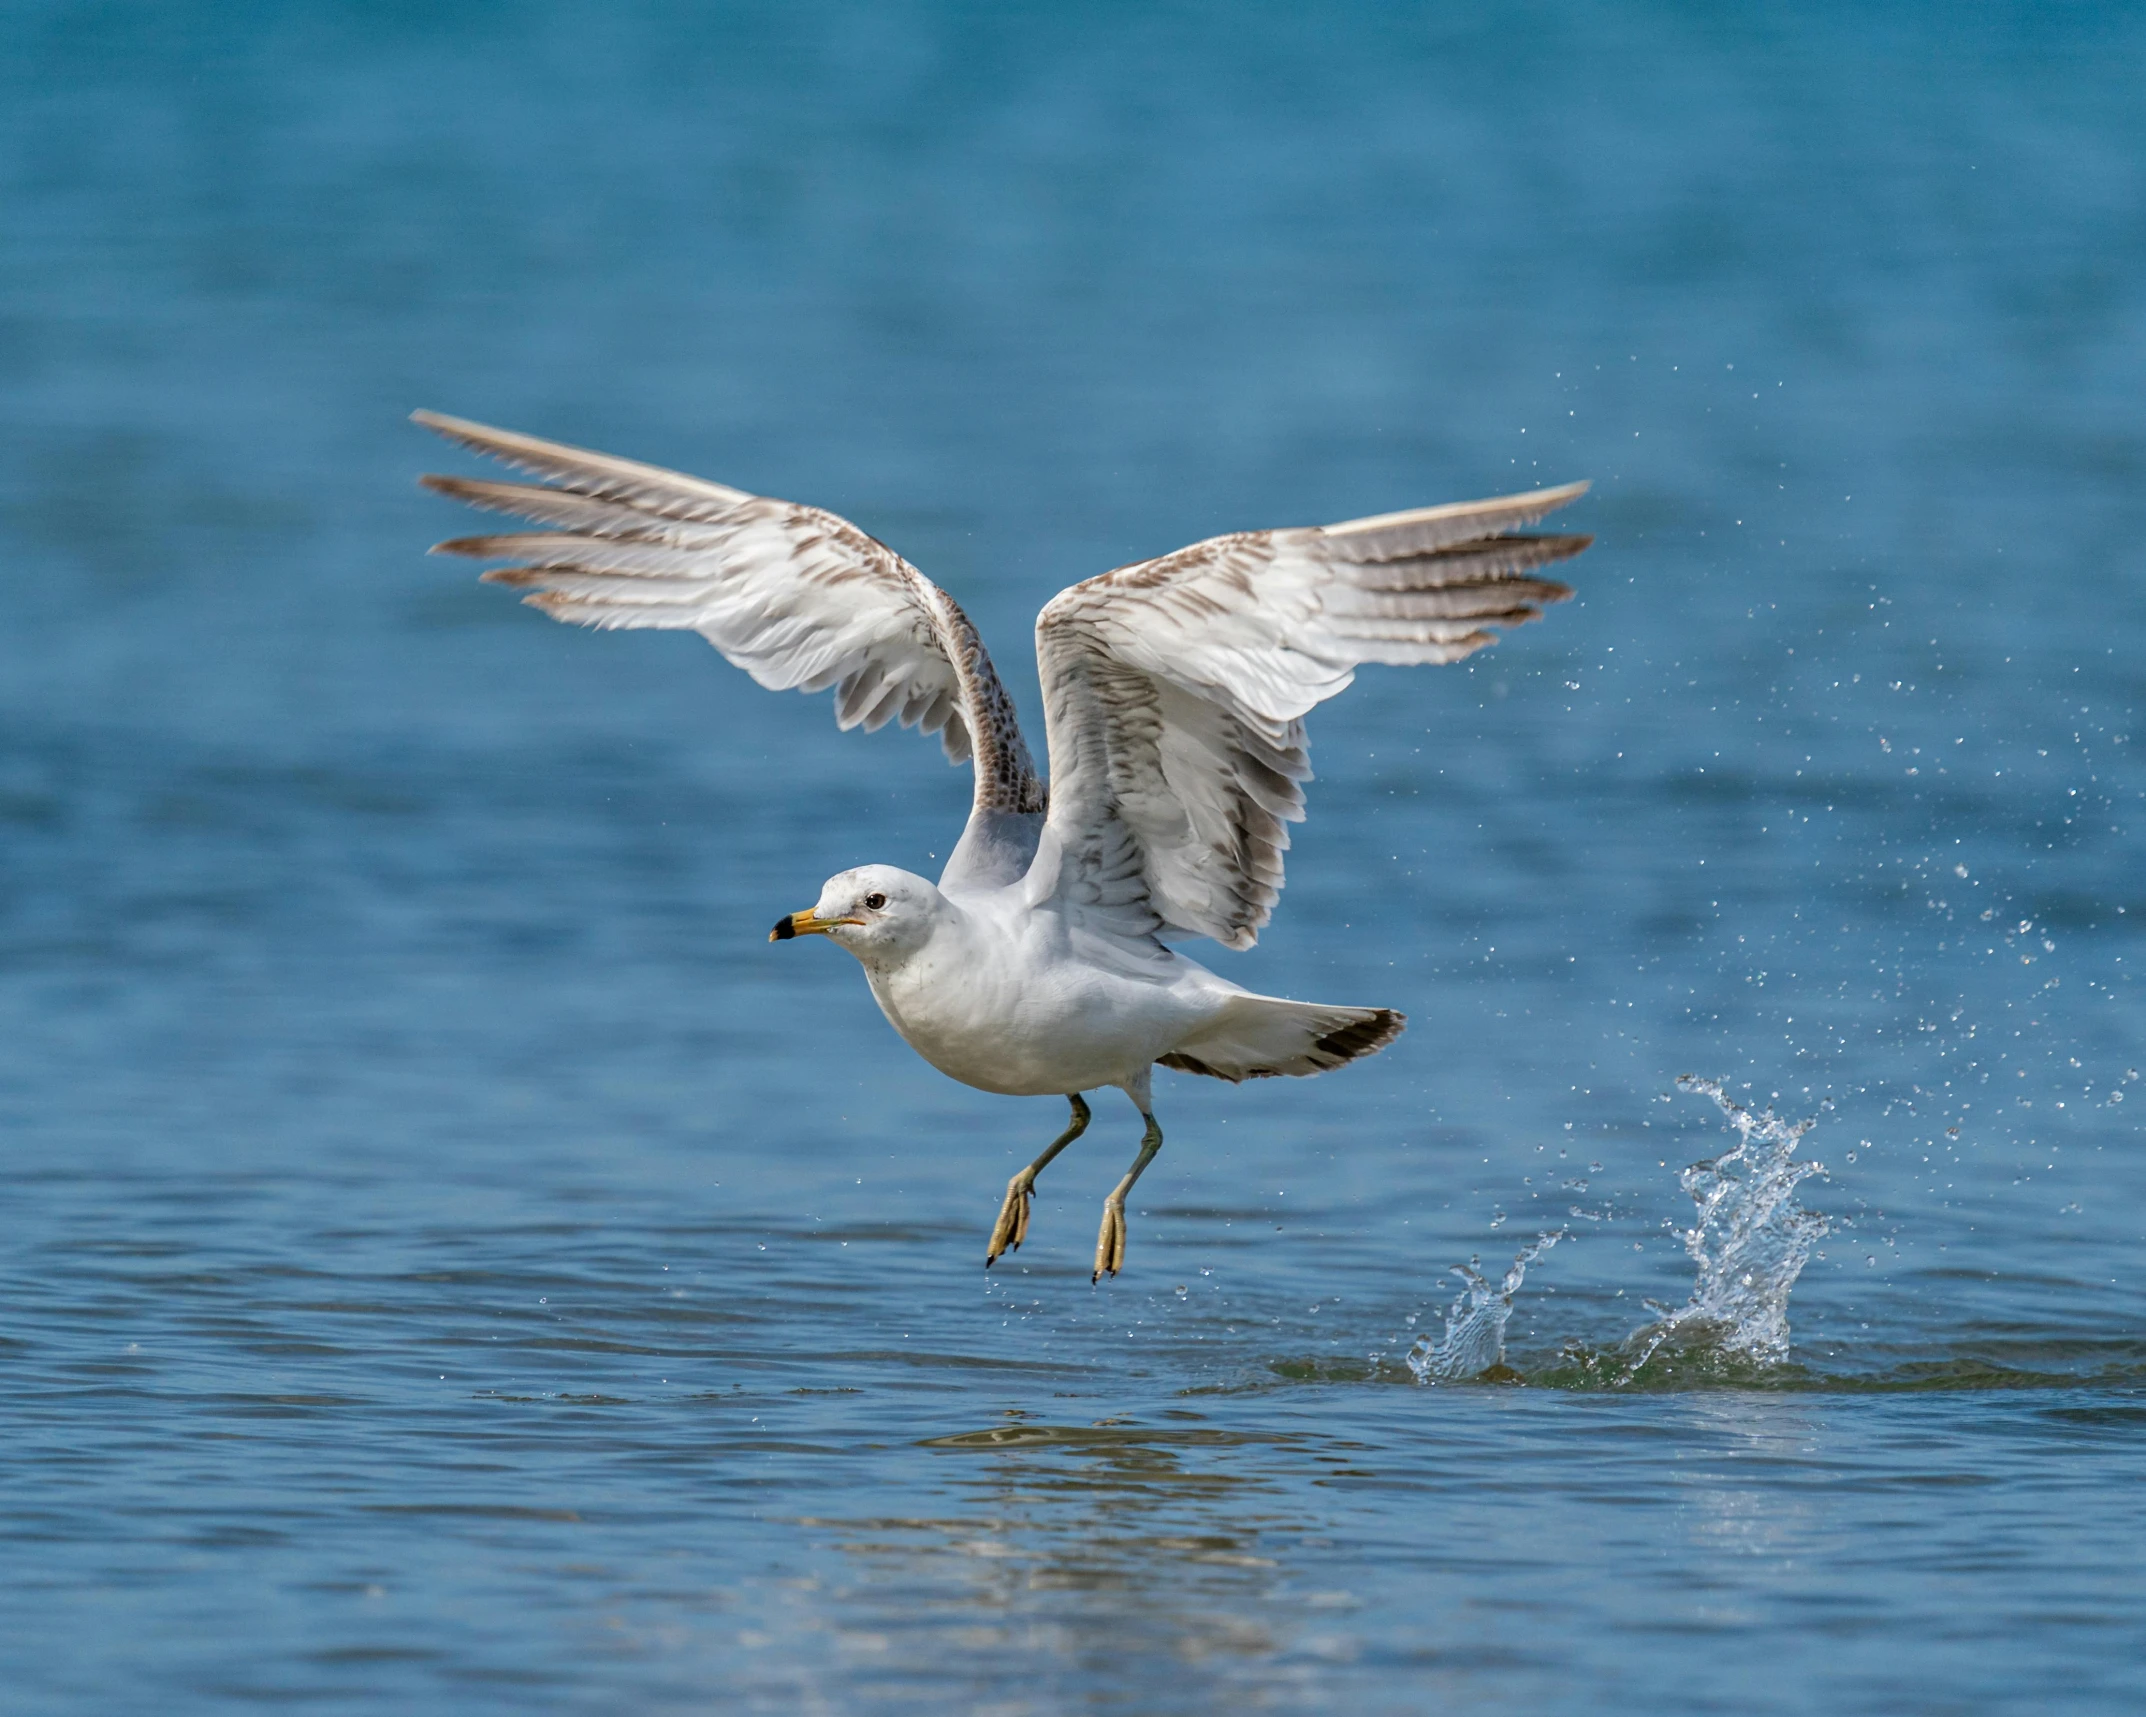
{"type": "Point", "coordinates": [1175, 693]}
{"type": "Point", "coordinates": [795, 596]}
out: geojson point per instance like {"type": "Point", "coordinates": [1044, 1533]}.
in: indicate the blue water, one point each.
{"type": "Point", "coordinates": [453, 1263]}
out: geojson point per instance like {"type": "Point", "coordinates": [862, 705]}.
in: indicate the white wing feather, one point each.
{"type": "Point", "coordinates": [1175, 693]}
{"type": "Point", "coordinates": [797, 597]}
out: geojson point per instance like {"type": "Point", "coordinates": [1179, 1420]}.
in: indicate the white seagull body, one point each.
{"type": "Point", "coordinates": [1175, 692]}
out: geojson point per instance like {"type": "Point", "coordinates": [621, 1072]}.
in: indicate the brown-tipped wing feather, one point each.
{"type": "Point", "coordinates": [1176, 689]}
{"type": "Point", "coordinates": [794, 595]}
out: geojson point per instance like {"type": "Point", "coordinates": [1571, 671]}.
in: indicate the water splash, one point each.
{"type": "Point", "coordinates": [1750, 1242]}
{"type": "Point", "coordinates": [1474, 1338]}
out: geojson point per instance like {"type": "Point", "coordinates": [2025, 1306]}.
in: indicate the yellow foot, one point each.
{"type": "Point", "coordinates": [1110, 1243]}
{"type": "Point", "coordinates": [1012, 1225]}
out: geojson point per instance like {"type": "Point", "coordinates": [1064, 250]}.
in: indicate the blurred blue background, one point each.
{"type": "Point", "coordinates": [454, 1263]}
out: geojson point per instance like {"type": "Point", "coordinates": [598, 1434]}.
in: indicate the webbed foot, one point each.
{"type": "Point", "coordinates": [1012, 1225]}
{"type": "Point", "coordinates": [1110, 1243]}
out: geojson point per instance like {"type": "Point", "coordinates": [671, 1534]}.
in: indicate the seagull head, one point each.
{"type": "Point", "coordinates": [875, 911]}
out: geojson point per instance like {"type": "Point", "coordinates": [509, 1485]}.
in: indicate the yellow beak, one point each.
{"type": "Point", "coordinates": [805, 923]}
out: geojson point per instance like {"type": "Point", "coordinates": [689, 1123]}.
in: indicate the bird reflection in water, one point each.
{"type": "Point", "coordinates": [1120, 1550]}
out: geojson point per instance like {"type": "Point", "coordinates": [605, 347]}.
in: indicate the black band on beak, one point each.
{"type": "Point", "coordinates": [784, 930]}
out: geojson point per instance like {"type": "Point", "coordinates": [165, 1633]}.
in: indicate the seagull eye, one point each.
{"type": "Point", "coordinates": [874, 902]}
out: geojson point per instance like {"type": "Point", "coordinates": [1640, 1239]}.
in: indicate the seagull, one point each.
{"type": "Point", "coordinates": [1174, 693]}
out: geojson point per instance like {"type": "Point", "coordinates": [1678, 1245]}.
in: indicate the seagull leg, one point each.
{"type": "Point", "coordinates": [1110, 1243]}
{"type": "Point", "coordinates": [1012, 1225]}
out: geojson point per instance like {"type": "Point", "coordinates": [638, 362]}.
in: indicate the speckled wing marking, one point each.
{"type": "Point", "coordinates": [1175, 692]}
{"type": "Point", "coordinates": [795, 596]}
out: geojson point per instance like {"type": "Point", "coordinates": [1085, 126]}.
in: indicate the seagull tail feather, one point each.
{"type": "Point", "coordinates": [1266, 1037]}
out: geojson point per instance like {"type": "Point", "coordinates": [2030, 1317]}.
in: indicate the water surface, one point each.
{"type": "Point", "coordinates": [455, 1264]}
